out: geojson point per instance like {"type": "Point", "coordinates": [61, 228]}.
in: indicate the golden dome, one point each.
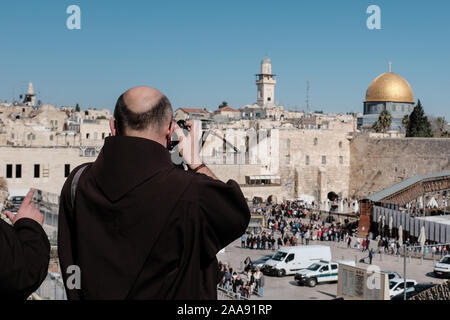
{"type": "Point", "coordinates": [389, 87]}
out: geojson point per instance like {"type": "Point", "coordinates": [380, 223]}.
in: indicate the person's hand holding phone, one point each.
{"type": "Point", "coordinates": [188, 146]}
{"type": "Point", "coordinates": [26, 210]}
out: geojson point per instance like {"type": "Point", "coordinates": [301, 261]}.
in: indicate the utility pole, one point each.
{"type": "Point", "coordinates": [307, 96]}
{"type": "Point", "coordinates": [404, 271]}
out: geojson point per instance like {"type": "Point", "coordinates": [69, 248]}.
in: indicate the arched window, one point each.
{"type": "Point", "coordinates": [316, 141]}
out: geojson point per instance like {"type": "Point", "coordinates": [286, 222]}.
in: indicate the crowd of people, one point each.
{"type": "Point", "coordinates": [243, 284]}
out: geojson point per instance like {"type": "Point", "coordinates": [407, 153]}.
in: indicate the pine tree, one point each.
{"type": "Point", "coordinates": [223, 105]}
{"type": "Point", "coordinates": [418, 125]}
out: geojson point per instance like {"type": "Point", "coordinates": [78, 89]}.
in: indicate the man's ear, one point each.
{"type": "Point", "coordinates": [170, 131]}
{"type": "Point", "coordinates": [112, 127]}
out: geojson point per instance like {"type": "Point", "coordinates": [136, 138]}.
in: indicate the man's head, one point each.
{"type": "Point", "coordinates": [143, 112]}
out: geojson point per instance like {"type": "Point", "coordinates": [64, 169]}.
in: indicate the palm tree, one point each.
{"type": "Point", "coordinates": [384, 122]}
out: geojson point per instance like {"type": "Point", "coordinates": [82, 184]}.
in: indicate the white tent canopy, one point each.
{"type": "Point", "coordinates": [432, 203]}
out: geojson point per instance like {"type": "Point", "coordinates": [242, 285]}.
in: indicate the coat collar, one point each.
{"type": "Point", "coordinates": [125, 162]}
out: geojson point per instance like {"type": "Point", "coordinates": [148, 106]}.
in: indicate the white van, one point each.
{"type": "Point", "coordinates": [289, 260]}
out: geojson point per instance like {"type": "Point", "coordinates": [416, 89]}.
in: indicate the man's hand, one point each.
{"type": "Point", "coordinates": [188, 146]}
{"type": "Point", "coordinates": [27, 210]}
{"type": "Point", "coordinates": [190, 150]}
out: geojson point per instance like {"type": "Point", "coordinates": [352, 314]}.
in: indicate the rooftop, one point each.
{"type": "Point", "coordinates": [378, 196]}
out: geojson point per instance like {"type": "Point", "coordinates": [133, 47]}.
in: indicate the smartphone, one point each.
{"type": "Point", "coordinates": [174, 143]}
{"type": "Point", "coordinates": [37, 196]}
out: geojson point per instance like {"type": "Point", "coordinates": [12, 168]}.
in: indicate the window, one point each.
{"type": "Point", "coordinates": [268, 99]}
{"type": "Point", "coordinates": [315, 141]}
{"type": "Point", "coordinates": [341, 160]}
{"type": "Point", "coordinates": [37, 170]}
{"type": "Point", "coordinates": [95, 135]}
{"type": "Point", "coordinates": [324, 160]}
{"type": "Point", "coordinates": [324, 268]}
{"type": "Point", "coordinates": [51, 137]}
{"type": "Point", "coordinates": [18, 171]}
{"type": "Point", "coordinates": [287, 160]}
{"type": "Point", "coordinates": [334, 267]}
{"type": "Point", "coordinates": [87, 135]}
{"type": "Point", "coordinates": [307, 160]}
{"type": "Point", "coordinates": [9, 170]}
{"type": "Point", "coordinates": [288, 143]}
{"type": "Point", "coordinates": [66, 170]}
{"type": "Point", "coordinates": [103, 135]}
{"type": "Point", "coordinates": [290, 257]}
{"type": "Point", "coordinates": [340, 144]}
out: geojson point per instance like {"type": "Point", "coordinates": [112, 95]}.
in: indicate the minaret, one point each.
{"type": "Point", "coordinates": [30, 97]}
{"type": "Point", "coordinates": [265, 81]}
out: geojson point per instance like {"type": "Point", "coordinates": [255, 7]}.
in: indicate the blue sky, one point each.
{"type": "Point", "coordinates": [203, 52]}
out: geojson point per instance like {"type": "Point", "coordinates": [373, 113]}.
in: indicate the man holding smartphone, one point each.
{"type": "Point", "coordinates": [136, 225]}
{"type": "Point", "coordinates": [24, 251]}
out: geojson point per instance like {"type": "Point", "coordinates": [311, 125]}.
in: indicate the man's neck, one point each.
{"type": "Point", "coordinates": [153, 138]}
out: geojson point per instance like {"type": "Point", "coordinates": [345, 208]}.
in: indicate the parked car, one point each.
{"type": "Point", "coordinates": [411, 292]}
{"type": "Point", "coordinates": [259, 263]}
{"type": "Point", "coordinates": [289, 260]}
{"type": "Point", "coordinates": [392, 275]}
{"type": "Point", "coordinates": [442, 268]}
{"type": "Point", "coordinates": [396, 286]}
{"type": "Point", "coordinates": [322, 271]}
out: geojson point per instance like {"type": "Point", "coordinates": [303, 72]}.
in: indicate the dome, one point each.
{"type": "Point", "coordinates": [266, 60]}
{"type": "Point", "coordinates": [389, 87]}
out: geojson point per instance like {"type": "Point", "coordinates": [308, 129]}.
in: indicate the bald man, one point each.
{"type": "Point", "coordinates": [132, 225]}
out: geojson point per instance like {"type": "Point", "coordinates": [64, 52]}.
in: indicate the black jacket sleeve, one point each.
{"type": "Point", "coordinates": [24, 258]}
{"type": "Point", "coordinates": [224, 210]}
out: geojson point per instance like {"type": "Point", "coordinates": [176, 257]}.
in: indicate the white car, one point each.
{"type": "Point", "coordinates": [322, 271]}
{"type": "Point", "coordinates": [442, 268]}
{"type": "Point", "coordinates": [392, 275]}
{"type": "Point", "coordinates": [396, 286]}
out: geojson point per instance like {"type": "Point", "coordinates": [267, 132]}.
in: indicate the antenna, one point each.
{"type": "Point", "coordinates": [307, 96]}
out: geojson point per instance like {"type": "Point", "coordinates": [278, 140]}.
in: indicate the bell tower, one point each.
{"type": "Point", "coordinates": [265, 81]}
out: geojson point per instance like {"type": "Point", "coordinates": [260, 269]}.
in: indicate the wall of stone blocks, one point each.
{"type": "Point", "coordinates": [377, 163]}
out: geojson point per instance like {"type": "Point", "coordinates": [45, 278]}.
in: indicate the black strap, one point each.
{"type": "Point", "coordinates": [73, 189]}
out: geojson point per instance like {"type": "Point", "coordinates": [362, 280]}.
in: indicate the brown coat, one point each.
{"type": "Point", "coordinates": [144, 229]}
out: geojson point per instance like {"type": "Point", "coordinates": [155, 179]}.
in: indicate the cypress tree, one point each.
{"type": "Point", "coordinates": [418, 125]}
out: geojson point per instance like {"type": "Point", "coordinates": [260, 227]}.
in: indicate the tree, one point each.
{"type": "Point", "coordinates": [77, 108]}
{"type": "Point", "coordinates": [384, 122]}
{"type": "Point", "coordinates": [437, 126]}
{"type": "Point", "coordinates": [223, 105]}
{"type": "Point", "coordinates": [418, 125]}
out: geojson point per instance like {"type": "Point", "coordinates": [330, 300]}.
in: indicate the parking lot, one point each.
{"type": "Point", "coordinates": [287, 289]}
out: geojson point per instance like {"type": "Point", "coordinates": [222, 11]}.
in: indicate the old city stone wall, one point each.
{"type": "Point", "coordinates": [377, 163]}
{"type": "Point", "coordinates": [439, 292]}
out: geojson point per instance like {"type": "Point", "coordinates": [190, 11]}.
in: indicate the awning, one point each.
{"type": "Point", "coordinates": [265, 177]}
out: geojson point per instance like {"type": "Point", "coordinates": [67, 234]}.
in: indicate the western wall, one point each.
{"type": "Point", "coordinates": [377, 163]}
